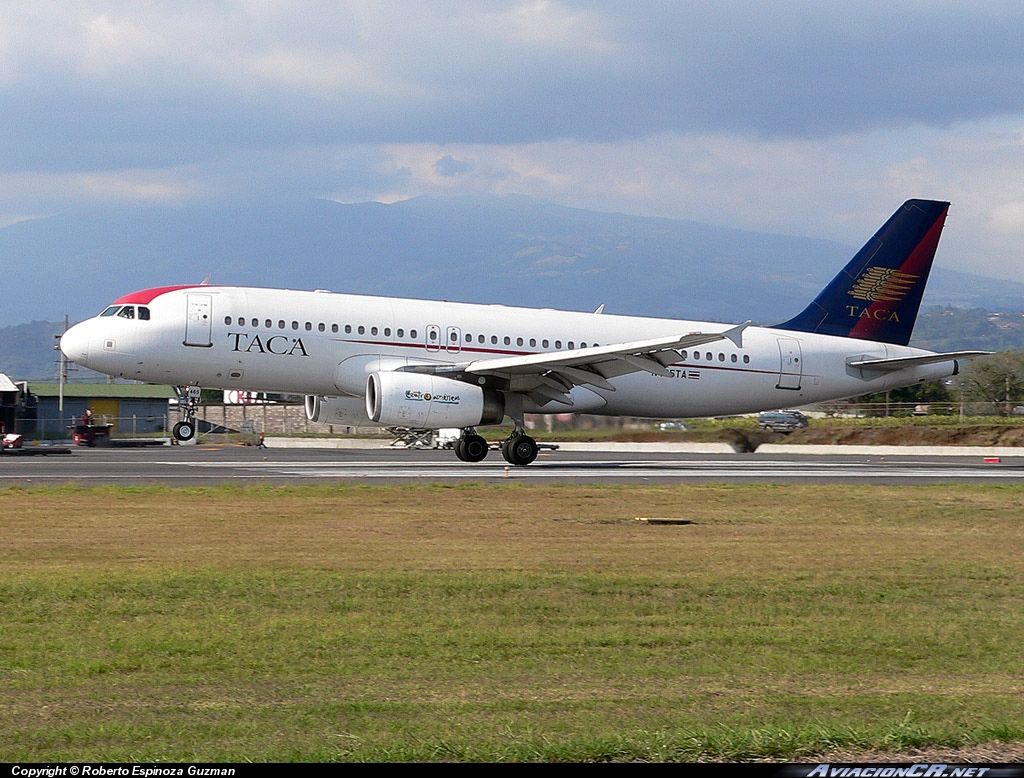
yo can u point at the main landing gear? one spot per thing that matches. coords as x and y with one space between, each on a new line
519 449
471 447
188 400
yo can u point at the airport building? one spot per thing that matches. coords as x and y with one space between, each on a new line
141 409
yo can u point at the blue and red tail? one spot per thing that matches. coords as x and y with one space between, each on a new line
877 295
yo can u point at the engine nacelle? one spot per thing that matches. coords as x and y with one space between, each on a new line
430 401
350 411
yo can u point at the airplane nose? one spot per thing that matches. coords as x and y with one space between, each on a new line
75 343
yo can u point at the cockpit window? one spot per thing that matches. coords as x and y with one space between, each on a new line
127 312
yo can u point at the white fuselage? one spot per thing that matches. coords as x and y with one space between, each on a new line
319 343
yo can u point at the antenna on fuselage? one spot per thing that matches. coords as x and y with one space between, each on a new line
205 281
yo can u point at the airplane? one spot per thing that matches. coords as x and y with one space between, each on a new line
362 360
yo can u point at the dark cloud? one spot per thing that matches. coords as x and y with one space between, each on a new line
449 167
621 71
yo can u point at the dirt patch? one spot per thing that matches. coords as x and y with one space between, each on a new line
985 753
992 435
823 434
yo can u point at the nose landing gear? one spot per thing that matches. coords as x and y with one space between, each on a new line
188 400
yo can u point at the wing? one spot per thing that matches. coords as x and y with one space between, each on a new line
551 375
899 363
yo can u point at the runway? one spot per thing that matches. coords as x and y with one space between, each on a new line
197 465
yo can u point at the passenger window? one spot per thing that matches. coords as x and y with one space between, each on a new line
494 340
334 328
533 343
309 326
280 324
519 341
255 323
558 344
507 341
709 356
387 332
746 359
682 355
570 345
348 329
373 330
479 338
268 324
412 334
241 322
361 330
400 333
469 338
733 357
544 343
295 325
721 357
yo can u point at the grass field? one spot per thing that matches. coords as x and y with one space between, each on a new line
508 622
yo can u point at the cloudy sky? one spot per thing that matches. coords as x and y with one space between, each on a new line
808 117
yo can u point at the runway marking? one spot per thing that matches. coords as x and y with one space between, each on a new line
617 469
744 470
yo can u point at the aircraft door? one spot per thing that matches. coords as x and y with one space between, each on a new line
453 343
199 321
433 335
790 365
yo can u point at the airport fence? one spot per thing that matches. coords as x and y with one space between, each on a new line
234 423
61 427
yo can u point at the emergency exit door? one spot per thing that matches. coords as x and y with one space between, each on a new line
790 364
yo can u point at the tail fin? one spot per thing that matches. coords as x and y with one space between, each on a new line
877 295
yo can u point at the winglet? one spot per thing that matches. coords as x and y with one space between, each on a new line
878 294
736 333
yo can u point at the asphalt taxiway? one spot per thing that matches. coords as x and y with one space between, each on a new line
196 465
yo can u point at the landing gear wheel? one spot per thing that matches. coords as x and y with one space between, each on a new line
460 449
519 450
474 448
184 431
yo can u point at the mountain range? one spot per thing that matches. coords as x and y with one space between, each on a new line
512 250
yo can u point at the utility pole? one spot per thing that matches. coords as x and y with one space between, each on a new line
62 370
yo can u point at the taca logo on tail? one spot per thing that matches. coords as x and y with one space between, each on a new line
878 294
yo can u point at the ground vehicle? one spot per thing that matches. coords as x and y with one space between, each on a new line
782 421
672 426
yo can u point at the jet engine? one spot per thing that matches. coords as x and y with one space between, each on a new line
430 401
350 411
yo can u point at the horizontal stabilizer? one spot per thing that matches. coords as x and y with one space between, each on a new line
900 363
